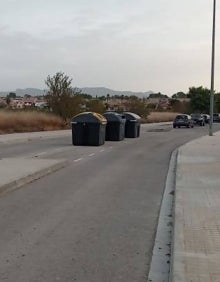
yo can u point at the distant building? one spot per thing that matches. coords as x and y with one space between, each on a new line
17 103
41 105
20 103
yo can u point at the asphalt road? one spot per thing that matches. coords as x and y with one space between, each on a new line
94 220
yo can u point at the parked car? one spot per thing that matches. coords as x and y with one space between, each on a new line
198 119
183 120
216 117
206 117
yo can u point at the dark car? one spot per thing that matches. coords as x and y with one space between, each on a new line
216 117
198 119
183 120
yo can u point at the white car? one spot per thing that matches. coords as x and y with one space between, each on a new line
206 117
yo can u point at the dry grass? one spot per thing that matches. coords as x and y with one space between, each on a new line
161 116
11 122
28 122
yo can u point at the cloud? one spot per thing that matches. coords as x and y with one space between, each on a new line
136 45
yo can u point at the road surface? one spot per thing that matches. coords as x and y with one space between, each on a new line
95 220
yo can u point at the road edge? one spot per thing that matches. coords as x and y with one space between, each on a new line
18 183
161 261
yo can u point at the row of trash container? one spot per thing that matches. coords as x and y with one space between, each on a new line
93 129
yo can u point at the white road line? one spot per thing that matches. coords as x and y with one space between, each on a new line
41 153
90 155
101 151
61 149
77 160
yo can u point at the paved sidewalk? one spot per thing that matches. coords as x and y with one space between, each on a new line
196 248
16 172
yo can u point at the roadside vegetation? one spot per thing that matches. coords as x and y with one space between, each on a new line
63 102
11 122
24 121
161 117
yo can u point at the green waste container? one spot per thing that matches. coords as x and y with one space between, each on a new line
88 129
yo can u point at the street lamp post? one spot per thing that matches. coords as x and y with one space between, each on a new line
212 72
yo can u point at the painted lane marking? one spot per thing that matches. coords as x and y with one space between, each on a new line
40 154
101 151
77 160
90 155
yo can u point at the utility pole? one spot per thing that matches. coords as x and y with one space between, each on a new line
212 72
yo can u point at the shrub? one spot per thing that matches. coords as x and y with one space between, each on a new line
28 122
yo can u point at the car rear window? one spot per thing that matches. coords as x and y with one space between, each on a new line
195 115
181 117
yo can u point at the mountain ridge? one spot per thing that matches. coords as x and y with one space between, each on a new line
93 91
103 91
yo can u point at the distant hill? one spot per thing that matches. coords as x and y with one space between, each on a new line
102 91
93 91
22 92
29 91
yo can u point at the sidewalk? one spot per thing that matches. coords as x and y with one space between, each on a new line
196 241
16 172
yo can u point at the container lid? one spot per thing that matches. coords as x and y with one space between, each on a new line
113 116
131 116
89 117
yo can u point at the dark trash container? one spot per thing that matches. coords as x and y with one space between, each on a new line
88 128
132 125
115 128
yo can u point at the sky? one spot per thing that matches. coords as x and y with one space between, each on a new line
137 45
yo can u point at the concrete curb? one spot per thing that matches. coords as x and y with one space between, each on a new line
174 220
160 263
16 184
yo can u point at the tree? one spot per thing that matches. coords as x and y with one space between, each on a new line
27 96
107 97
133 98
11 95
175 105
138 107
2 105
199 99
157 95
102 98
217 102
62 98
95 105
8 100
181 107
84 95
179 95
